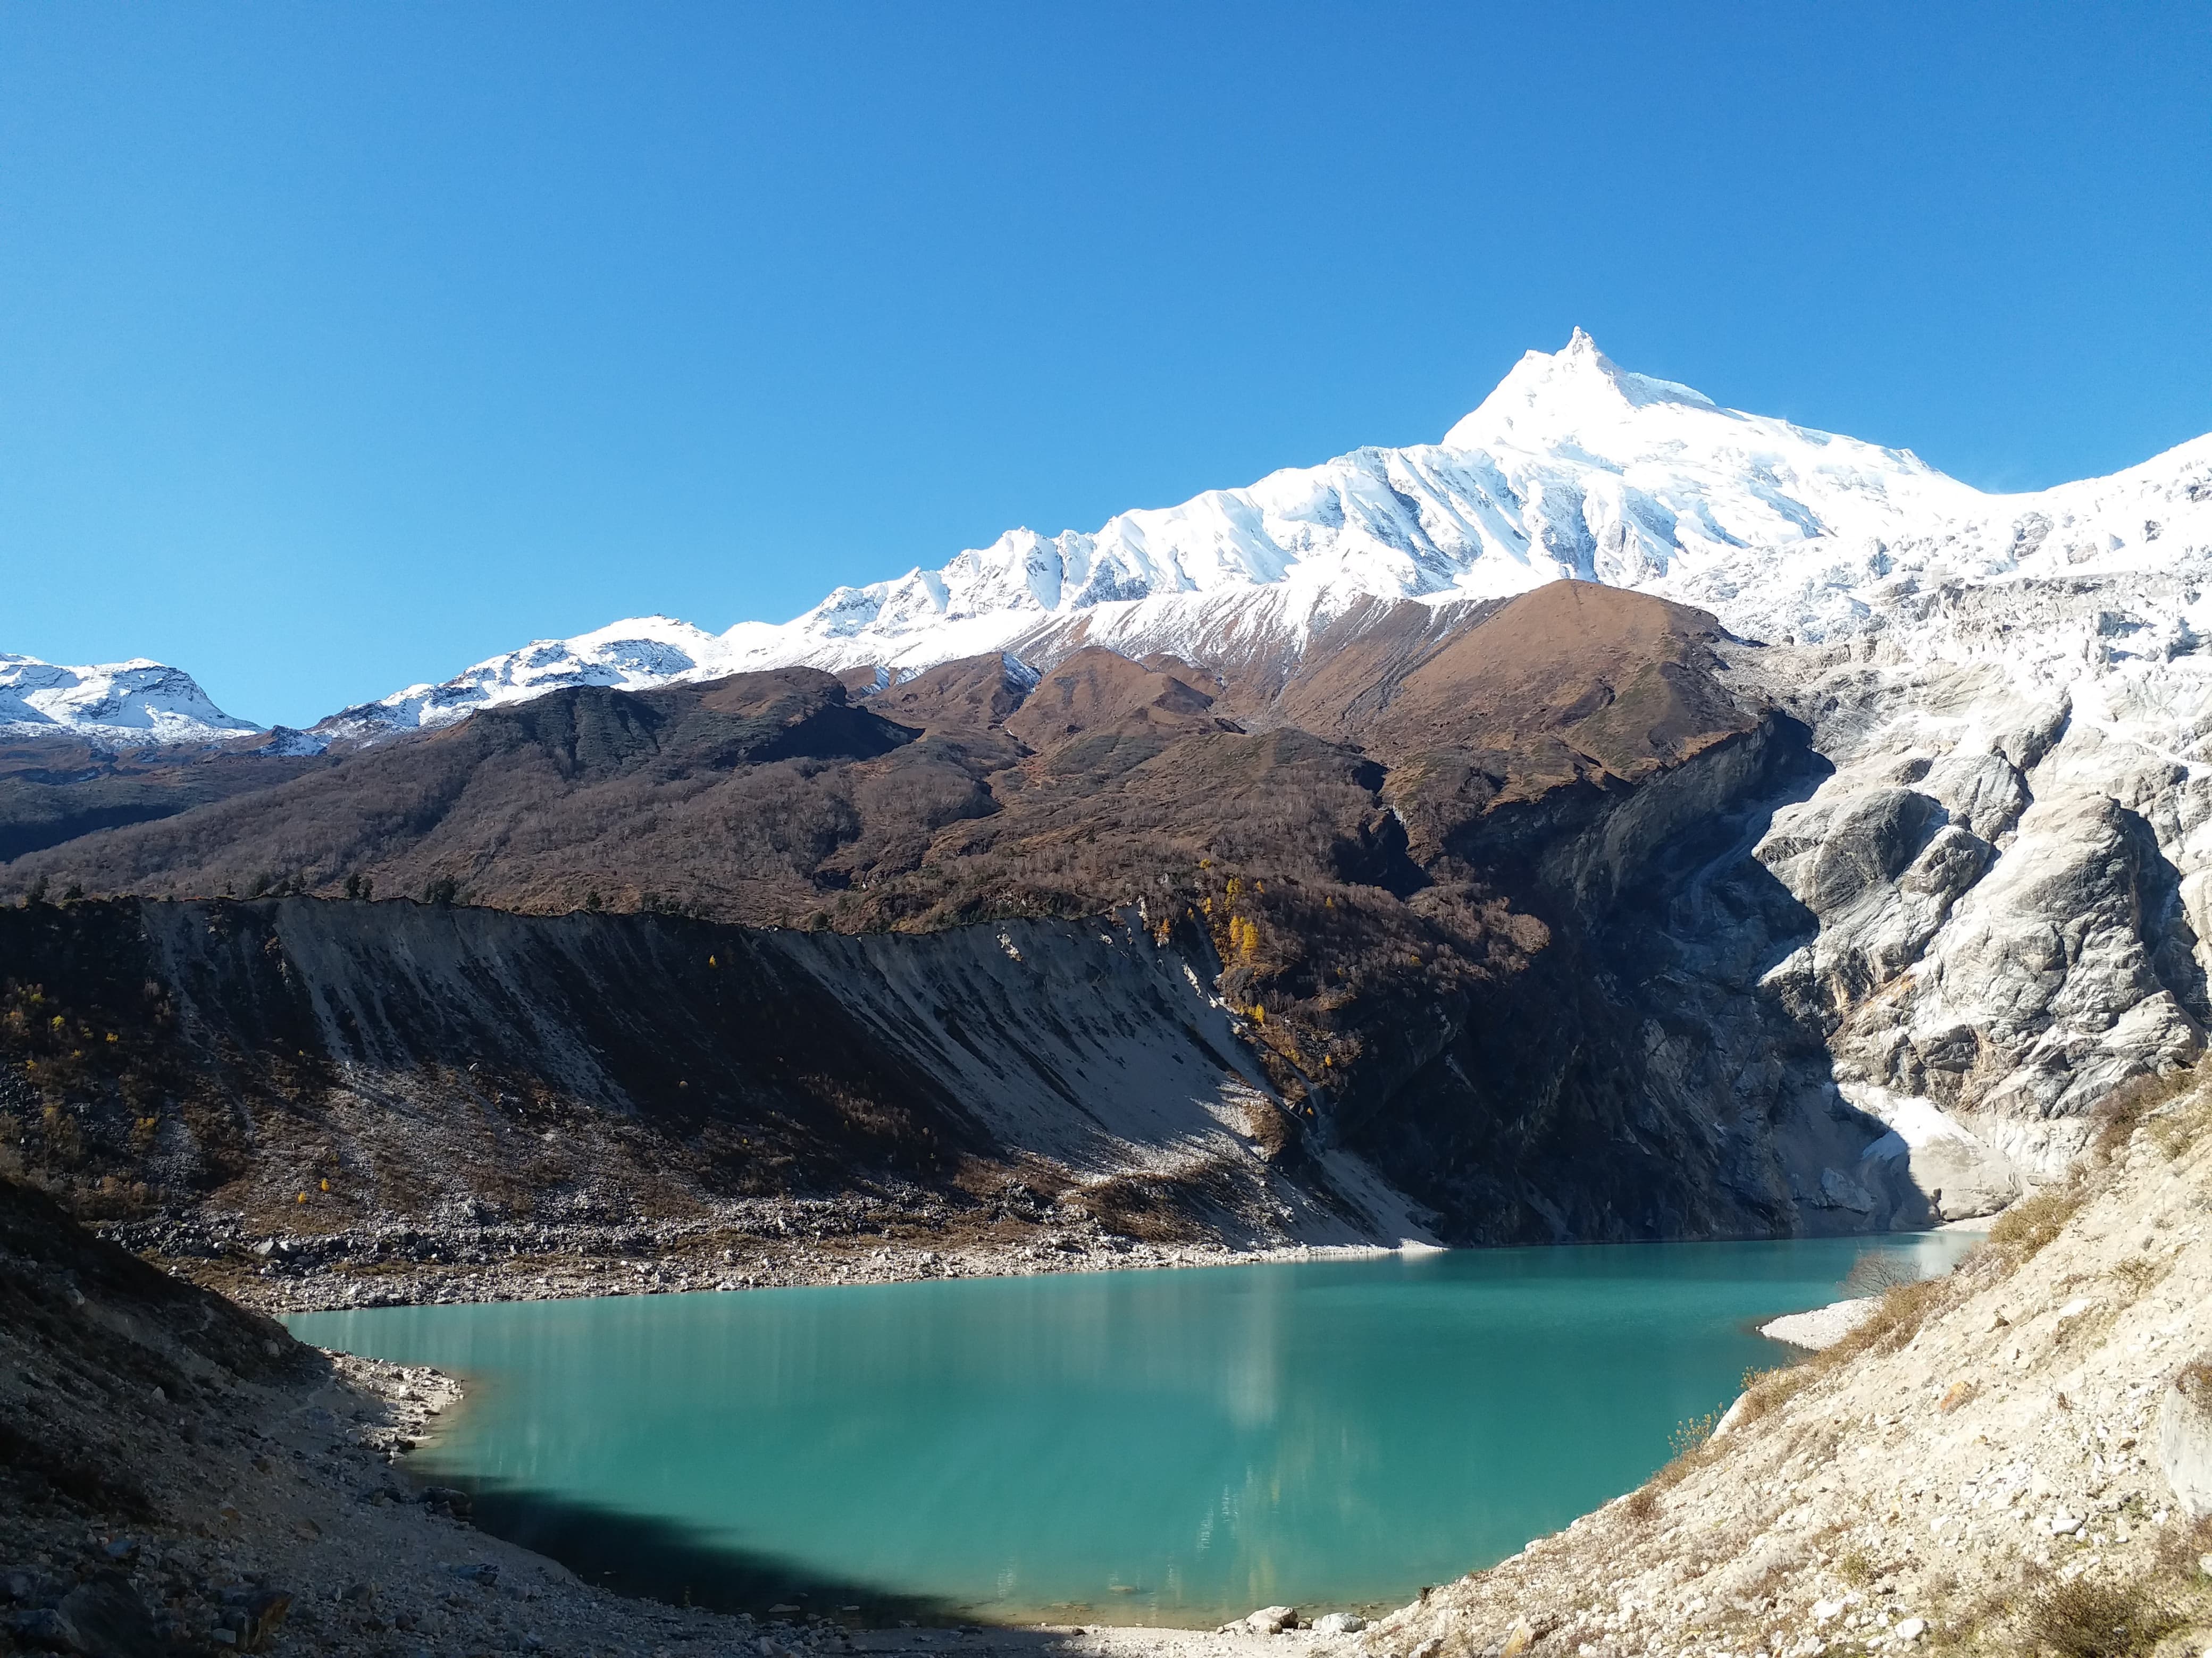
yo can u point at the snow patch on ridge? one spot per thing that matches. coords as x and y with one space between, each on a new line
635 654
141 703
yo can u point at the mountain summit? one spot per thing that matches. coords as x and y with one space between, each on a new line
138 703
1572 466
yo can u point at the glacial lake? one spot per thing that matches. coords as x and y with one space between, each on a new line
1166 1446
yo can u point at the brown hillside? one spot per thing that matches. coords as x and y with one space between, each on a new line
1392 853
1098 692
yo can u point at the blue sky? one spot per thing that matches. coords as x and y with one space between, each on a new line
343 346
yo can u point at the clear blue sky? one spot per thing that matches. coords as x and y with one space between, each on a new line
341 346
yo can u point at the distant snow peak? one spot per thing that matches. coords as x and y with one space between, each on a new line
634 654
139 703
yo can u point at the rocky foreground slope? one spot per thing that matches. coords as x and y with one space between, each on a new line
1985 1466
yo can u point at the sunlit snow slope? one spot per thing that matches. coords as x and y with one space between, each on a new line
1572 467
138 702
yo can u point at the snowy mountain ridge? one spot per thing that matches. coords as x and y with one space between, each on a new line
138 703
1573 467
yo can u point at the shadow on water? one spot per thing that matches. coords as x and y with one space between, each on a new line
637 1555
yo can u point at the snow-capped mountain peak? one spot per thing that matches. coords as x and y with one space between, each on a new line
1573 467
138 703
632 654
1550 396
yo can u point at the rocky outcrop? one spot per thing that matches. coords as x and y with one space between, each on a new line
2184 1440
2004 867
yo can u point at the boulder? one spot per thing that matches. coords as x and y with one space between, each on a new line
1339 1623
1272 1620
42 1629
104 1618
2185 1439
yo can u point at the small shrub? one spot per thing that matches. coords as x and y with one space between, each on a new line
1856 1569
1877 1271
2088 1619
2035 1221
1642 1505
1692 1435
2137 1273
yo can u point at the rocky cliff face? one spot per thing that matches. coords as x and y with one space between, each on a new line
2007 867
319 1065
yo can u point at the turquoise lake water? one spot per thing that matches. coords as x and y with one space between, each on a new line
1144 1446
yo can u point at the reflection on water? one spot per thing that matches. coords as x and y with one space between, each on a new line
1174 1447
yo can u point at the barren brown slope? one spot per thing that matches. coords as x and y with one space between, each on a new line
1409 893
752 799
57 789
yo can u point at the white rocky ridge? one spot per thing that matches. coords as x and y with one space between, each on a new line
138 704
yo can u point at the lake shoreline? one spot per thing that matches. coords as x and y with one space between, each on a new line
695 1260
820 1245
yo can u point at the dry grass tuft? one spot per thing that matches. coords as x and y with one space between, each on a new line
1693 1435
2036 1221
2137 1273
2181 1547
2179 1127
2126 1109
1642 1505
1765 1392
2089 1618
1896 1319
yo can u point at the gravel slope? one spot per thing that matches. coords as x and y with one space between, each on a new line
1975 1469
